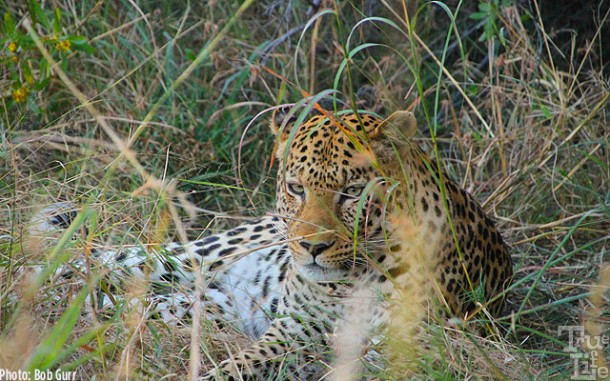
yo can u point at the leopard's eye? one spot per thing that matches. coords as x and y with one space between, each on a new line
296 189
354 191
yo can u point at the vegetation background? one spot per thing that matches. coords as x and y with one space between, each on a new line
152 114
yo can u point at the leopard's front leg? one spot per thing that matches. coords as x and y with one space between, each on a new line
289 347
297 342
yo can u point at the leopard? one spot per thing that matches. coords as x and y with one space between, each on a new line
357 202
348 185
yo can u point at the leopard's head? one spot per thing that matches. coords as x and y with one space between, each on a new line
334 185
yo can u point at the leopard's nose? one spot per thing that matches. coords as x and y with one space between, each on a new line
316 248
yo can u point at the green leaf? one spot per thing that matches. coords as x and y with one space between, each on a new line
44 70
27 74
77 344
502 36
478 15
49 350
38 14
485 7
24 41
545 111
472 90
77 40
81 43
14 75
9 25
41 84
190 55
57 23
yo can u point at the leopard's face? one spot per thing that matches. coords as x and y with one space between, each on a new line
341 175
331 195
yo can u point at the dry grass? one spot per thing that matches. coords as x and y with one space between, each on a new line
519 117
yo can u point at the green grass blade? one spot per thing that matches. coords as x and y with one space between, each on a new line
49 351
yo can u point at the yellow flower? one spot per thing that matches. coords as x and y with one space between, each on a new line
21 94
12 47
63 46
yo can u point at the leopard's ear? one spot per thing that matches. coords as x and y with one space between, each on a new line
399 124
282 121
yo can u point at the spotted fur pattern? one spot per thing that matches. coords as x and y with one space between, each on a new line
241 269
350 188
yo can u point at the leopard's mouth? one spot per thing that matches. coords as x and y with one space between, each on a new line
318 273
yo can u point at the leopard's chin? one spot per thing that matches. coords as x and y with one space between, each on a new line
316 273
